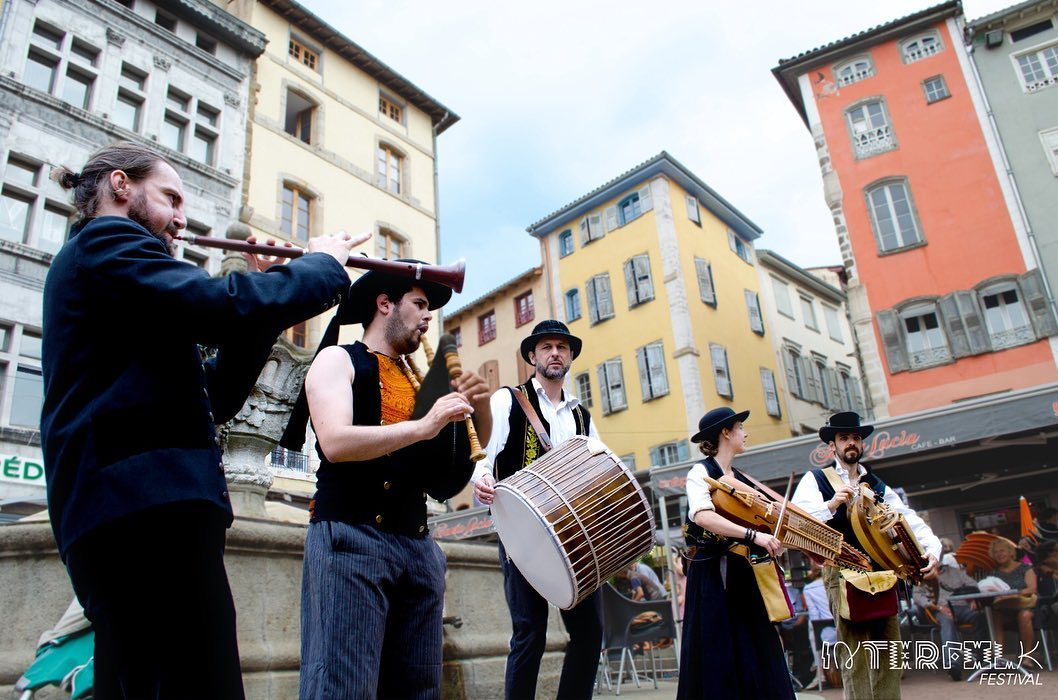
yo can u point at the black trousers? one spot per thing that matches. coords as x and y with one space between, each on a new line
156 591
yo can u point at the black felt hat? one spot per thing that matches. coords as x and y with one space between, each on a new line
846 422
716 420
359 304
546 329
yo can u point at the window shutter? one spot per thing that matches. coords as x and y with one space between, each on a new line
705 281
683 451
593 302
630 283
953 321
646 201
655 457
644 284
604 297
584 233
788 361
659 380
857 395
808 373
595 226
604 389
611 218
771 395
644 373
617 385
753 304
834 385
731 241
973 322
1035 298
692 209
892 341
720 371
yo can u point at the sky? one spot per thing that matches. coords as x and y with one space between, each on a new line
557 98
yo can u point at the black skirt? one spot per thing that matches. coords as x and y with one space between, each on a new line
730 647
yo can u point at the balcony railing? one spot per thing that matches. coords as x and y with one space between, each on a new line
1012 337
929 357
286 460
872 141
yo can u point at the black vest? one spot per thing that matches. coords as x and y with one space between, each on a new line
388 492
840 521
523 445
708 544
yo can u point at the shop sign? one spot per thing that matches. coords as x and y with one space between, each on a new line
19 469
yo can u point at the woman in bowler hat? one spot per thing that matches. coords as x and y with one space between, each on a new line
731 649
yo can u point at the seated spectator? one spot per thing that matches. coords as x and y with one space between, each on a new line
1019 605
815 595
933 597
1047 583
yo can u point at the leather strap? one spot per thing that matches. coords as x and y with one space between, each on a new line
832 476
534 419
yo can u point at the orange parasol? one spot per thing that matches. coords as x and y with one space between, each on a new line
975 552
1028 528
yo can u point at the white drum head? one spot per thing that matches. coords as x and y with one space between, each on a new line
532 546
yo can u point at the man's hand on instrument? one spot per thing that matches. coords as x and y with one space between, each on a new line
769 542
337 245
485 489
931 570
450 408
841 497
260 263
475 389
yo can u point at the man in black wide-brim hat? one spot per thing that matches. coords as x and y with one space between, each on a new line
374 580
515 443
826 494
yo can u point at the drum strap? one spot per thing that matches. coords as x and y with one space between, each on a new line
534 419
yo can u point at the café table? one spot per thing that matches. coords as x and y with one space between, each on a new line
987 600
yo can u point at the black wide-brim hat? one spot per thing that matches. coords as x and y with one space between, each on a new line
716 420
359 305
546 329
846 422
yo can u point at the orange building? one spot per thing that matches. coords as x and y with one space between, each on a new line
945 294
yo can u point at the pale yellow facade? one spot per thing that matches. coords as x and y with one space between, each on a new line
319 130
655 424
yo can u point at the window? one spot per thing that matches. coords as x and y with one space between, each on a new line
781 290
1038 69
20 373
390 163
629 208
486 327
935 88
565 243
1031 30
600 299
296 217
808 310
1005 317
206 43
299 334
189 126
830 315
721 372
197 257
523 309
670 453
128 108
572 305
825 382
638 282
303 54
590 229
892 214
1049 139
925 340
165 21
741 248
771 393
795 375
920 47
756 323
457 334
693 213
851 396
870 129
27 215
390 245
704 271
653 379
300 116
584 388
612 386
629 460
61 64
388 107
853 71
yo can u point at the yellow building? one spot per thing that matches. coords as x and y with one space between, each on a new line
656 272
338 141
490 329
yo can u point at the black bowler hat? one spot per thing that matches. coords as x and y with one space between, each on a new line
359 305
546 329
847 422
712 423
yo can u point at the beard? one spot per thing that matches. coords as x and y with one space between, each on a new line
140 213
403 340
549 372
851 454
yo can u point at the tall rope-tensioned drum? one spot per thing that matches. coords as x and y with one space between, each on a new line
572 519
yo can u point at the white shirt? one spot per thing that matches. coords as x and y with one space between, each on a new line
698 498
562 424
816 601
807 496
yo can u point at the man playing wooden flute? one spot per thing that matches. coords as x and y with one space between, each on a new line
373 581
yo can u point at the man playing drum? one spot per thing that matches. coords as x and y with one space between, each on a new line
515 444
